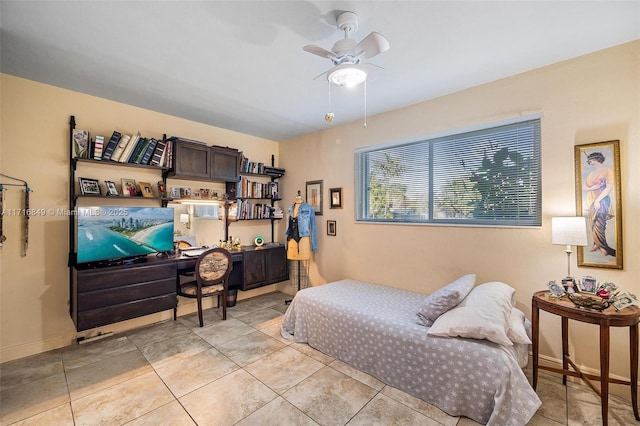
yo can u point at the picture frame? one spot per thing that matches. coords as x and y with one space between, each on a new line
111 188
597 171
175 192
89 186
555 289
145 189
570 286
335 198
588 284
129 188
331 228
314 196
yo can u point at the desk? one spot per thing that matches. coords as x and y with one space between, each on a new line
109 294
628 317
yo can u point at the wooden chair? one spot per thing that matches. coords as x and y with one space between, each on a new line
212 271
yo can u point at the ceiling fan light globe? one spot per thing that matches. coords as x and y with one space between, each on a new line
347 75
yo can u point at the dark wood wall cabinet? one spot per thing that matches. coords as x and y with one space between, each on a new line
263 266
197 161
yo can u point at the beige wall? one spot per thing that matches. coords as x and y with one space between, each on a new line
34 146
589 99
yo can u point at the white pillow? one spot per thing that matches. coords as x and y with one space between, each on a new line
517 332
484 314
444 299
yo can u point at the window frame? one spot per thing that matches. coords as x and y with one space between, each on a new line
362 174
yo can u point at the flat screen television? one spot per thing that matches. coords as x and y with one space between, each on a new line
109 234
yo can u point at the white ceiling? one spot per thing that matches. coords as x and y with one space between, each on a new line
240 65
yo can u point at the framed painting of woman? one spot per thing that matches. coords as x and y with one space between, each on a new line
598 199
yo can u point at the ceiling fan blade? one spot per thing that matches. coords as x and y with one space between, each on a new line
320 51
372 45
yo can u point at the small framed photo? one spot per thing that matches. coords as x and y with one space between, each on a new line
197 195
89 186
111 188
570 285
331 228
145 189
588 284
162 189
129 188
555 289
175 192
314 196
335 198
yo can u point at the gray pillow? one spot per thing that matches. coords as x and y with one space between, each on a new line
444 299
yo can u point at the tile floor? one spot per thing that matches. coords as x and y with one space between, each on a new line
234 372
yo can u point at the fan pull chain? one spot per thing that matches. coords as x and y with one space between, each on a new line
328 117
365 104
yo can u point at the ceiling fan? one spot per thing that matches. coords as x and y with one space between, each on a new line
347 54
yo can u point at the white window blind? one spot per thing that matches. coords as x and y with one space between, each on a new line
489 176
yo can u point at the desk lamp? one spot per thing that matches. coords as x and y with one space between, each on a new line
569 231
185 219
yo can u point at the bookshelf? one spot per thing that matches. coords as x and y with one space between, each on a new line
255 194
100 296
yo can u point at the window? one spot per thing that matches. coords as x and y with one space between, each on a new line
489 176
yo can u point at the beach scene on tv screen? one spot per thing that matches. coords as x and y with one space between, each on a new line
109 233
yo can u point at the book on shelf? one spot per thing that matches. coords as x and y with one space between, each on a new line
168 157
111 145
273 171
124 158
158 153
278 213
81 143
149 151
141 152
98 146
139 145
117 153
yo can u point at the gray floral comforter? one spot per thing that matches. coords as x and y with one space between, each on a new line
373 328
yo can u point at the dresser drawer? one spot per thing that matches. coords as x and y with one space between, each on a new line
98 279
89 300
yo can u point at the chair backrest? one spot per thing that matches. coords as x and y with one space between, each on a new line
213 267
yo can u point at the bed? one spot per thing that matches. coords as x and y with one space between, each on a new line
374 329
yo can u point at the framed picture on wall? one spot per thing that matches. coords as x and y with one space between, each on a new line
331 228
314 196
335 198
598 198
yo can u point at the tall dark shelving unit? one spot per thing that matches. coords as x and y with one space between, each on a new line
73 197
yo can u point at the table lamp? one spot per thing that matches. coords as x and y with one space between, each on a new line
185 219
569 231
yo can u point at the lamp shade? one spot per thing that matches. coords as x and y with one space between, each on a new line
571 231
349 75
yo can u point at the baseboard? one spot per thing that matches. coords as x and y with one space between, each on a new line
37 346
